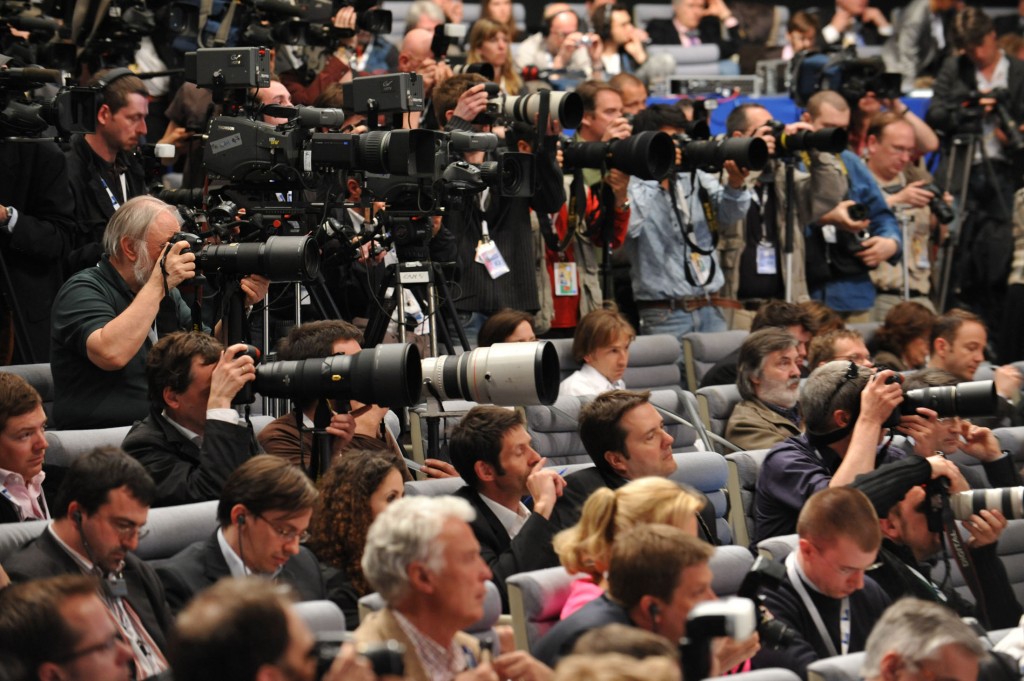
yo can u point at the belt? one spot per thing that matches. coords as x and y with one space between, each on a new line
899 292
691 303
753 304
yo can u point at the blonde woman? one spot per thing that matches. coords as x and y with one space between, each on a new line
489 43
587 546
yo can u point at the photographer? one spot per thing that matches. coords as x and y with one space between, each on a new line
561 44
491 218
106 318
890 148
900 493
841 250
307 71
675 280
975 89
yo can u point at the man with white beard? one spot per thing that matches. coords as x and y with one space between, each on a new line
768 378
106 318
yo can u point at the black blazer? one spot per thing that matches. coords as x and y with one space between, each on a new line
44 557
709 30
530 550
201 564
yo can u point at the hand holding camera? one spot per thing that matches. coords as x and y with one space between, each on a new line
176 264
236 368
880 396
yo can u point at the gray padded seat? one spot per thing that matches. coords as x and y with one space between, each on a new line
566 364
172 528
1011 552
418 425
433 488
777 548
770 674
555 433
15 535
715 404
701 351
704 56
64 446
707 472
535 600
1012 440
645 11
729 565
322 617
838 668
39 377
655 361
682 404
865 329
743 471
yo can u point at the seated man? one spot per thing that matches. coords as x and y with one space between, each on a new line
98 520
916 640
827 597
626 439
264 510
902 497
422 558
656 575
491 450
59 628
192 438
22 451
844 344
106 318
844 407
601 345
769 383
695 22
247 629
958 344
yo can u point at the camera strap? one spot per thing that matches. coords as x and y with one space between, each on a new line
686 227
964 562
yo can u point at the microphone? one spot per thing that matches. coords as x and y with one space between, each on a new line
32 73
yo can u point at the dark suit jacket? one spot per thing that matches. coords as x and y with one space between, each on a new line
54 476
559 641
1011 23
709 30
868 32
183 473
530 550
44 557
200 565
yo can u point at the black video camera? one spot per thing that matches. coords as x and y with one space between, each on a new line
766 573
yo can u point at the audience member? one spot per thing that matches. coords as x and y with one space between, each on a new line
22 452
99 518
657 573
425 15
616 667
601 346
247 629
827 598
853 22
903 339
919 43
625 437
845 344
916 640
489 44
58 628
622 46
192 439
106 318
823 317
356 489
801 33
696 22
422 558
103 168
500 12
587 546
621 639
506 326
490 449
769 383
263 514
844 407
958 343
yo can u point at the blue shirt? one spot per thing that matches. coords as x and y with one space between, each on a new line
657 253
858 292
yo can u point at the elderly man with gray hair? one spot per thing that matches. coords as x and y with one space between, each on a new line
422 557
768 378
918 639
106 318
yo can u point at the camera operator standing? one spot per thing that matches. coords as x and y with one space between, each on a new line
980 92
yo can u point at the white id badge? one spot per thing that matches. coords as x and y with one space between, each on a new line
488 255
765 258
565 279
829 233
923 262
700 266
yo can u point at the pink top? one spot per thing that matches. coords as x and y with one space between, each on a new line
582 592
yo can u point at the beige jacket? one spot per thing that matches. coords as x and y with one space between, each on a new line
382 626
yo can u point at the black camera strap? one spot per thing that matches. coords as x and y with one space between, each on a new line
686 227
963 559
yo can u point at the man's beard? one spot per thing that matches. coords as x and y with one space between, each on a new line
779 393
142 268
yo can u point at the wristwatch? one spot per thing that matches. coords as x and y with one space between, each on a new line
624 206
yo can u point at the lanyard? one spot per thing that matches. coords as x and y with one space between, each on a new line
844 612
686 227
124 190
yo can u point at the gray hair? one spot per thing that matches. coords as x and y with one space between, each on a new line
421 7
917 631
404 533
753 352
132 220
828 389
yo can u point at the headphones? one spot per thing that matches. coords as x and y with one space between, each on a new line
603 20
108 78
545 27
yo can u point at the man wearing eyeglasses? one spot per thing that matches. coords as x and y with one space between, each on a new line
264 510
59 628
828 599
100 515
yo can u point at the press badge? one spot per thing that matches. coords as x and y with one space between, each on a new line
488 255
700 267
828 232
565 279
765 258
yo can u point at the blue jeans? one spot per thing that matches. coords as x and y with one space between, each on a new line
679 323
471 322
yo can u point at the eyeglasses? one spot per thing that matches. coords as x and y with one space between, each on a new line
286 533
110 644
845 570
126 529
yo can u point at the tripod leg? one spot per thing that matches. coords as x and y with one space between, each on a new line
380 316
446 300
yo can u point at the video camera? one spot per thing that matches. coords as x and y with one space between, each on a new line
386 658
972 111
72 110
843 72
766 573
733 617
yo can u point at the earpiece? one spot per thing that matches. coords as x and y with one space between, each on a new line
241 519
77 517
653 610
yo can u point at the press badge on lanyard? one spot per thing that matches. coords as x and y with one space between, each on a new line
765 258
565 279
488 255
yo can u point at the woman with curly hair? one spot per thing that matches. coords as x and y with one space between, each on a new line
902 342
587 546
352 493
489 44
